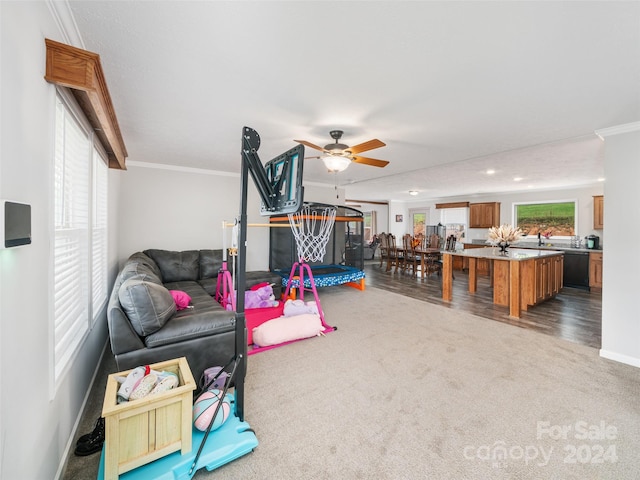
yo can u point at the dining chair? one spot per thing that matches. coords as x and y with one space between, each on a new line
384 248
411 258
396 257
433 261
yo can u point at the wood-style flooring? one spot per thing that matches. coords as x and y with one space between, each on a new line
574 314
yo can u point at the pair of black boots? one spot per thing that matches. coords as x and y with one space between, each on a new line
91 442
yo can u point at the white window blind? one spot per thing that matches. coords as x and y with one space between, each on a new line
80 238
99 234
450 216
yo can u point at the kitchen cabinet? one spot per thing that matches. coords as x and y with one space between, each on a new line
598 212
595 271
545 282
484 215
483 266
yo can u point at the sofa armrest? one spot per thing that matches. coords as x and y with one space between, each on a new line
122 335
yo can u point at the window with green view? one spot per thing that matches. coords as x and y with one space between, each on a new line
553 219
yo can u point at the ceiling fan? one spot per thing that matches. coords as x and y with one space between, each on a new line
338 156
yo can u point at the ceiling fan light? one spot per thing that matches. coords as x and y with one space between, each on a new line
336 163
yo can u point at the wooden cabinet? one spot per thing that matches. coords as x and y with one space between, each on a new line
595 271
483 265
598 212
543 279
484 215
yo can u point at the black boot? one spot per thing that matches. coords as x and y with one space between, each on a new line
91 442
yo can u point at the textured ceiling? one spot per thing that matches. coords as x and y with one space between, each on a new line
452 88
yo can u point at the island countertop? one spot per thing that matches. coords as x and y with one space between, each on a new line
513 254
520 279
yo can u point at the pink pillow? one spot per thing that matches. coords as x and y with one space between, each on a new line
181 298
285 329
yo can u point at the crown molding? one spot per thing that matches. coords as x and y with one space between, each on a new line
618 129
63 16
178 168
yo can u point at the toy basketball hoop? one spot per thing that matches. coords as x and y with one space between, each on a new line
312 230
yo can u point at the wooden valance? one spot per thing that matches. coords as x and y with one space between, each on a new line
452 205
81 71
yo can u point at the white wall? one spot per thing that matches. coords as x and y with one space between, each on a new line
173 208
583 197
382 213
37 423
620 318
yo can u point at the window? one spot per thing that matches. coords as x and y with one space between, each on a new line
80 234
418 222
455 221
369 219
551 219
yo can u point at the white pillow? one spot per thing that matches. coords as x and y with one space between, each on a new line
286 329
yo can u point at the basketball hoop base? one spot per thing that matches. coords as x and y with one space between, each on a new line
231 441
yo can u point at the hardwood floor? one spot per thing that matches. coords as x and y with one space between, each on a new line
574 315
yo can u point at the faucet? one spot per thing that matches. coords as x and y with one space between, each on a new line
539 240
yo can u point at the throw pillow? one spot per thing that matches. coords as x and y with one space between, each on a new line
181 298
286 329
148 305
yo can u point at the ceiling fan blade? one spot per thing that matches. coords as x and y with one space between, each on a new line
370 161
363 147
310 145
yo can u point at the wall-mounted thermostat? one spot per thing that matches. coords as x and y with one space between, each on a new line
15 224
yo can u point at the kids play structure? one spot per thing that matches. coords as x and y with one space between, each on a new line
343 261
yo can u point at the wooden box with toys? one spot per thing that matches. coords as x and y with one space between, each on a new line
143 428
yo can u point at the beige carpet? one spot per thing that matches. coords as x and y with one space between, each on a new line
408 390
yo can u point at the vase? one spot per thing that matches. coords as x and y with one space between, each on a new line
503 248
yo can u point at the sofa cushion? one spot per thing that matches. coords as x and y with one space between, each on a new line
140 257
176 266
143 271
147 304
206 318
210 263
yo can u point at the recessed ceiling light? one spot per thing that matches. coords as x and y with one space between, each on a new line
413 192
490 172
517 179
601 179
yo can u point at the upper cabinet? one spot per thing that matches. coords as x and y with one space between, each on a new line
484 215
598 212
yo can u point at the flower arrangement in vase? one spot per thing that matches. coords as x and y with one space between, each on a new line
503 236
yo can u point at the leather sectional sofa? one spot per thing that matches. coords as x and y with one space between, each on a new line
144 323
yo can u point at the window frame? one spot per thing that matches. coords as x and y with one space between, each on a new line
514 216
419 211
60 362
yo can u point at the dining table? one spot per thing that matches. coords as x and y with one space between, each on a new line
423 253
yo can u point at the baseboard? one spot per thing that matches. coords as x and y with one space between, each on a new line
70 447
618 357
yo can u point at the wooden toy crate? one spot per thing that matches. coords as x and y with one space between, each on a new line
143 430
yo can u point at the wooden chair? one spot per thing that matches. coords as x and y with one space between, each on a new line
384 248
411 258
433 261
395 258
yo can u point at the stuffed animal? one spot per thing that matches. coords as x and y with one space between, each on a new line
298 307
261 297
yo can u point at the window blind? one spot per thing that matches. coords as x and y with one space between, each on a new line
80 233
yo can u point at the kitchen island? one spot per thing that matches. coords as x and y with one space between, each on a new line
520 279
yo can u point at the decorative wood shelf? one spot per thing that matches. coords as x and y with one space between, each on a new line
81 71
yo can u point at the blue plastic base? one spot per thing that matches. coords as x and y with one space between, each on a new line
232 440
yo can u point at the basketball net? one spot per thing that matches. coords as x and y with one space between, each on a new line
312 229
